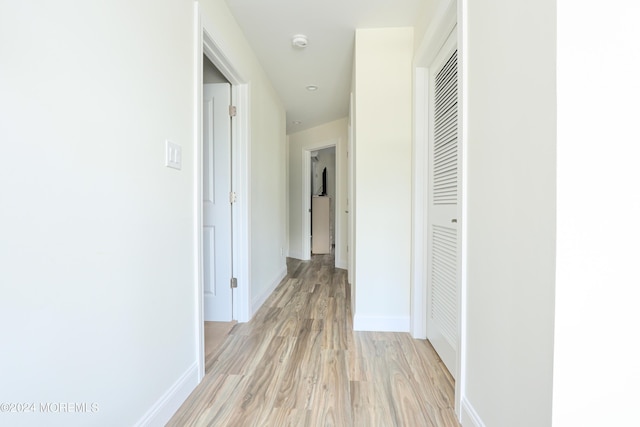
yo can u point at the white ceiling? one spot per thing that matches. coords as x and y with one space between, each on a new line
269 26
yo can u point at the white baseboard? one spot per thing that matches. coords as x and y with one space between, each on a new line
171 400
257 302
381 323
469 416
296 255
341 263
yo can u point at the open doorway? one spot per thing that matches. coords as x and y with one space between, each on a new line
239 174
302 147
323 200
315 157
217 231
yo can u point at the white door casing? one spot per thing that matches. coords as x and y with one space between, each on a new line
216 186
351 209
210 42
444 206
448 22
306 195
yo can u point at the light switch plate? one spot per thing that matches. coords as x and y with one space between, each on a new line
173 156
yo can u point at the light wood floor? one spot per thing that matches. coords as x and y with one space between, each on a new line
215 333
299 363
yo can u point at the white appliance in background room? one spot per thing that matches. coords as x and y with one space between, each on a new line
320 218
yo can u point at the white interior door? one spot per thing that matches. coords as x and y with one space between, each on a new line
443 225
216 188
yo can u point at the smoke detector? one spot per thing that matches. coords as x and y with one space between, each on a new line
299 41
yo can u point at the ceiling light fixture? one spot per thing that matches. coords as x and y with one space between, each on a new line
312 88
299 41
296 122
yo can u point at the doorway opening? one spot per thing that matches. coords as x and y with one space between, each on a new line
326 193
439 218
239 175
217 210
323 200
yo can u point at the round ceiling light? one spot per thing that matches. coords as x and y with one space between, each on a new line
300 41
312 88
296 122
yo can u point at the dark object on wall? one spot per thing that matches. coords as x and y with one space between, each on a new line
324 182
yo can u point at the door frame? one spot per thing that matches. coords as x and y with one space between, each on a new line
306 197
351 207
445 22
208 42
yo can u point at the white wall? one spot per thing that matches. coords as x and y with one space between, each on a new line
97 247
425 18
383 177
511 157
331 132
268 224
97 251
268 200
596 370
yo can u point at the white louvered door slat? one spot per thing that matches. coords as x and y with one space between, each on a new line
445 139
443 301
443 244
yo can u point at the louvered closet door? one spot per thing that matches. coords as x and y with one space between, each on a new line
443 254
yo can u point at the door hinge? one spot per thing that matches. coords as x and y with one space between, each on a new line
232 110
234 283
233 197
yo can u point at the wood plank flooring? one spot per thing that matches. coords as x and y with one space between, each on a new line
215 333
298 362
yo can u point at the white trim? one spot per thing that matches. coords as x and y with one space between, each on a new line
419 217
171 400
241 185
260 299
208 42
306 206
338 209
341 263
381 323
287 198
296 254
351 206
469 417
437 34
197 173
306 198
460 387
217 51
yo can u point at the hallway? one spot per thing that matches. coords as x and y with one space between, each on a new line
299 363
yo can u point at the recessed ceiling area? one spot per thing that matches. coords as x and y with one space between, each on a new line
326 61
